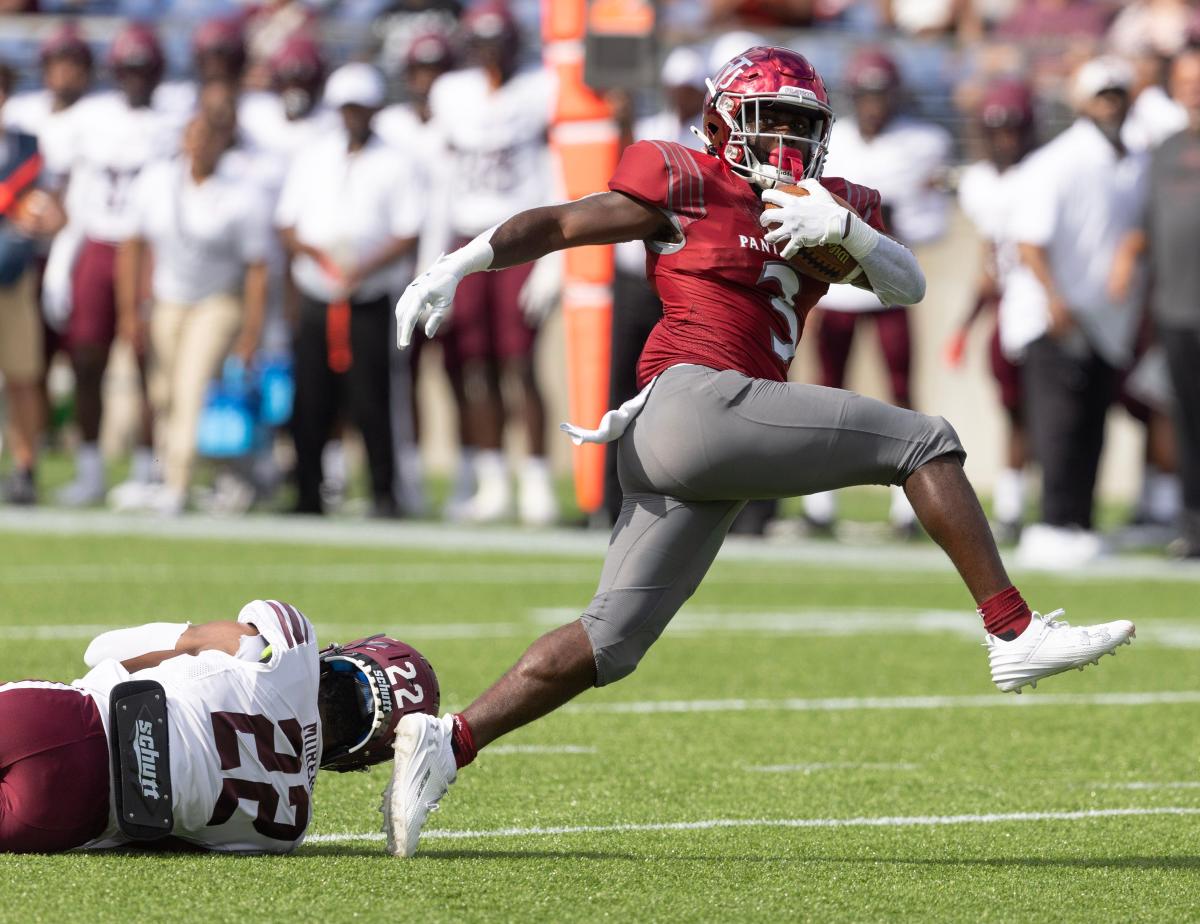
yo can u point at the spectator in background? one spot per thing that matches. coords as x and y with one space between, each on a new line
116 136
218 55
1171 232
48 113
1153 116
1056 21
494 118
349 214
905 159
1075 199
291 118
205 233
1157 25
20 326
409 127
1006 126
636 308
270 27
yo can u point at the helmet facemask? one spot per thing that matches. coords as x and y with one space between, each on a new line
775 139
378 681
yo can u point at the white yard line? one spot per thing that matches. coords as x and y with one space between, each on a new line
557 543
1182 784
830 765
887 821
416 631
538 749
345 573
864 703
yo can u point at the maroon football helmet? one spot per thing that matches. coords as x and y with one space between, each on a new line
748 110
298 62
490 21
66 41
221 37
872 70
391 679
136 47
1007 104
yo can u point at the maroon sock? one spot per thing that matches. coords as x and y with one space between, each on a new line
461 742
1006 614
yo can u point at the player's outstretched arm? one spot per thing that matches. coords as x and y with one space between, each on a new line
145 646
604 218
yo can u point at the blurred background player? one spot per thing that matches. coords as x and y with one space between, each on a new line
1075 200
1006 125
409 127
349 215
905 159
21 356
204 231
66 67
116 136
1172 227
494 118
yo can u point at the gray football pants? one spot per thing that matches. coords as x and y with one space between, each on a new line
704 444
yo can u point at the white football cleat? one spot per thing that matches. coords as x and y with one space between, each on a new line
1050 646
423 772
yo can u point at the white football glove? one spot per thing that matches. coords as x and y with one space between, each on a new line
428 298
804 221
542 290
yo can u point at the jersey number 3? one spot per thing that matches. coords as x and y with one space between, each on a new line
225 726
788 282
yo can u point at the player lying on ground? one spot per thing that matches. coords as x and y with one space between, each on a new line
717 423
253 708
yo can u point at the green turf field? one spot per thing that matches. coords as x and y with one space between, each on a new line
812 740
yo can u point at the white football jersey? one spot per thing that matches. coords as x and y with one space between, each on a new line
245 736
496 144
904 163
985 199
33 113
113 143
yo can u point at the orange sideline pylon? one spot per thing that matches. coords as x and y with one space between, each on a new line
584 140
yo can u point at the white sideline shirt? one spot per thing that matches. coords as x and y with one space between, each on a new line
348 206
496 144
984 197
1076 197
237 727
904 162
203 235
111 143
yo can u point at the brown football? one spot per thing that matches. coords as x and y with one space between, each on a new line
829 262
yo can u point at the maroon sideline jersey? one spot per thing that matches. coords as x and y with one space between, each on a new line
729 300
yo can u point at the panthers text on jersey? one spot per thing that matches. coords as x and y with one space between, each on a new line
729 300
245 735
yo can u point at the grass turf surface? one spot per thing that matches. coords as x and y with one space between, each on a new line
760 633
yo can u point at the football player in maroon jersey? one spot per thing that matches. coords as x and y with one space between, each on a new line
717 423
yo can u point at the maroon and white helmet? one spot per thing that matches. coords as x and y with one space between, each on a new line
223 37
761 79
66 41
136 47
298 62
391 679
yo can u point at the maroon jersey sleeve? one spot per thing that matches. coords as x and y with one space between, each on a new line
863 199
663 174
